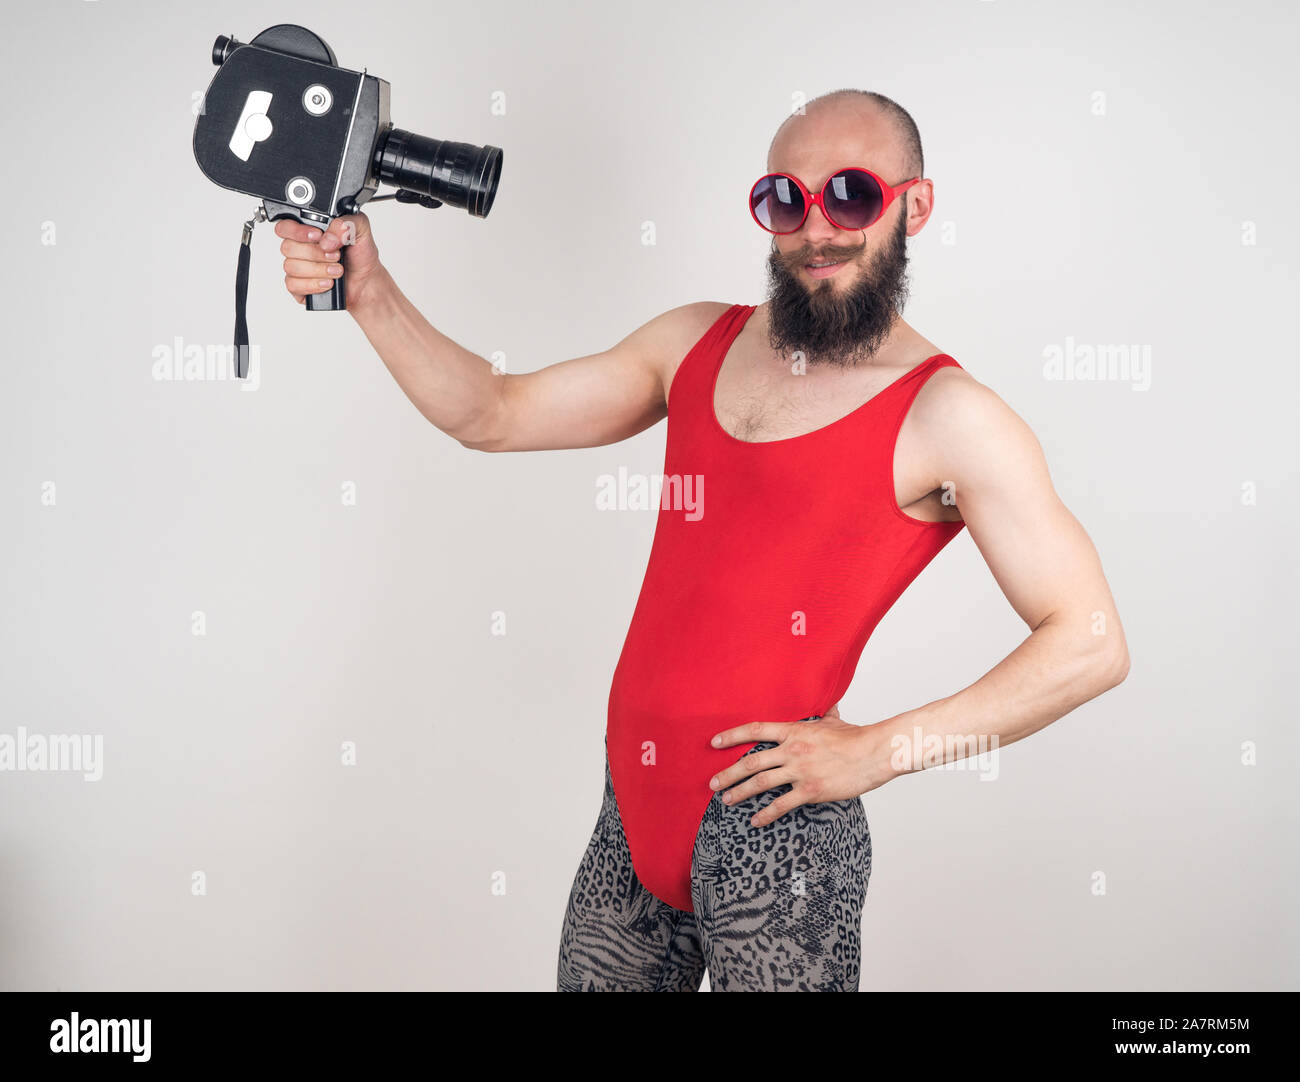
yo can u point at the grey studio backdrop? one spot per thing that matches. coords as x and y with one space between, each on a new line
1107 175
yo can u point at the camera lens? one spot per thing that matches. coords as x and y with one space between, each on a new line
459 174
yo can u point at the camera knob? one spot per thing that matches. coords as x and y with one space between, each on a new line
317 99
300 191
221 49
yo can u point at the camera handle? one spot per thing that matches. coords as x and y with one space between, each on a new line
333 300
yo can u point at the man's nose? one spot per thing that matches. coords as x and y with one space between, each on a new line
818 229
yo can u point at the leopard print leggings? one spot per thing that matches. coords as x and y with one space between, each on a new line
776 908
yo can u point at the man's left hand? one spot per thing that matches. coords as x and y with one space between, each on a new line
822 760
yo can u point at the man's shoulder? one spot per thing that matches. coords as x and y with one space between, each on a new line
670 335
949 392
955 411
691 321
681 323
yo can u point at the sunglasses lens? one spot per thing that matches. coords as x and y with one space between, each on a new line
777 204
853 199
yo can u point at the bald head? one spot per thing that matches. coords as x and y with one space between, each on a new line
876 126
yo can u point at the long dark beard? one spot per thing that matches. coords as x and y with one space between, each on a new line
833 326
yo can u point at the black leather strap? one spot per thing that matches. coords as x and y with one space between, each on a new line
241 304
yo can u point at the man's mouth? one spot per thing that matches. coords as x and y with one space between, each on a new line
824 268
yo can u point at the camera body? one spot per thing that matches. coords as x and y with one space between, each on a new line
283 122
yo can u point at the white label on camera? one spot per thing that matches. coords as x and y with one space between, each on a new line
253 126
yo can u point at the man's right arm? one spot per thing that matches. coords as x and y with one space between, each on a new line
585 402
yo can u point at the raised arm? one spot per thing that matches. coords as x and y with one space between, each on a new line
585 402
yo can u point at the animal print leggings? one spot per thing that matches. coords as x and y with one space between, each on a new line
777 908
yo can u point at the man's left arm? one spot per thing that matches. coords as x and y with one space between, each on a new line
1050 572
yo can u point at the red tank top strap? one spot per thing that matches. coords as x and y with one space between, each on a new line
900 395
692 383
887 421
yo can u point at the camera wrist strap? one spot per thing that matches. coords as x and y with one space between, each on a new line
241 293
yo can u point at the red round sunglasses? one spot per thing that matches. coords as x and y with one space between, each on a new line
852 198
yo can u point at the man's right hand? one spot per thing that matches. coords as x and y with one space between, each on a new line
313 260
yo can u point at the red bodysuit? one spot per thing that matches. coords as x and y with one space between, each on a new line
772 563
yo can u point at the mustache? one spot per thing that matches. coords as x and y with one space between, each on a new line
809 254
